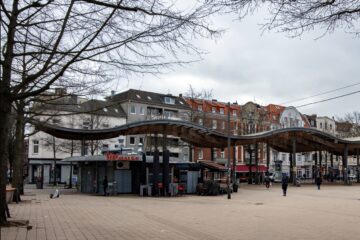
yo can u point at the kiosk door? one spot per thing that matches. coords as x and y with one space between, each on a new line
123 180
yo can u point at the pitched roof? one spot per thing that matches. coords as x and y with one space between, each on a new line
149 98
72 105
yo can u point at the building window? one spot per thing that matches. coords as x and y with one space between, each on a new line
221 111
200 154
213 109
215 153
35 146
222 154
223 125
200 108
169 100
105 125
141 140
325 125
86 124
200 121
141 110
169 114
234 113
330 126
321 125
105 146
214 124
132 140
132 109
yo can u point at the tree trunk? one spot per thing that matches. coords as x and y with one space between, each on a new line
18 166
5 108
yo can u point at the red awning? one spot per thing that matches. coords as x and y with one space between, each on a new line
244 168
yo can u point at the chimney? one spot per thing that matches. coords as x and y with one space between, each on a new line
180 94
113 93
214 100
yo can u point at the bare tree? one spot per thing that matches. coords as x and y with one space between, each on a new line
46 43
352 120
298 16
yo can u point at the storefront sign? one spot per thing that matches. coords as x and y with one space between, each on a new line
118 157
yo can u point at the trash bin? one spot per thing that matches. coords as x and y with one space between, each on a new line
9 194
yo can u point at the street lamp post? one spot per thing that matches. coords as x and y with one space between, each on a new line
228 155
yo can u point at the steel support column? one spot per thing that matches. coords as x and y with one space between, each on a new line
357 165
320 163
345 162
250 180
234 166
294 160
156 168
291 167
267 157
228 153
256 163
332 166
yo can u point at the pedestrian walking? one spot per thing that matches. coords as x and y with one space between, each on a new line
267 181
284 183
318 181
105 185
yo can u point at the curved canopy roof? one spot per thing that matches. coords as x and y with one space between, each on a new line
306 139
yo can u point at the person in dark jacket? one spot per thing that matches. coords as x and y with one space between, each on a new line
105 185
284 183
267 180
318 181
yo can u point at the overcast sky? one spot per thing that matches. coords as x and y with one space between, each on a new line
245 65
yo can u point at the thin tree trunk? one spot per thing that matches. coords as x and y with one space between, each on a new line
5 107
18 168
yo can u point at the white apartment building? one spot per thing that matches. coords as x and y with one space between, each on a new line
142 105
290 117
46 152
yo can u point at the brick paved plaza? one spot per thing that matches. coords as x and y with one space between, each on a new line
252 213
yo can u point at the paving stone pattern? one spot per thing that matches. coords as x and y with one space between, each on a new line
252 213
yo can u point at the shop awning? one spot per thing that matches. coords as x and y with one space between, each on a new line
244 168
213 166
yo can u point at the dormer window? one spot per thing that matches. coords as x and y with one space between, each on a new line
148 97
234 113
169 100
138 96
213 109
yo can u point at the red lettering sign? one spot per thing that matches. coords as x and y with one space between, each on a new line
118 157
